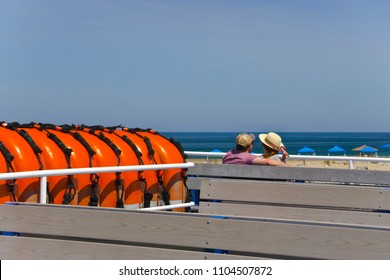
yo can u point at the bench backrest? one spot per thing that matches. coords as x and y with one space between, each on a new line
298 201
334 196
345 176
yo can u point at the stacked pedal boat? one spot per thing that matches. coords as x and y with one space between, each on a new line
37 146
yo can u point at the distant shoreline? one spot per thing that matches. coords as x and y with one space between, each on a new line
358 165
321 143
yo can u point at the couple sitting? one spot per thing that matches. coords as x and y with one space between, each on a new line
272 145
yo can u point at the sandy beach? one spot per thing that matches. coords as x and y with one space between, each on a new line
359 165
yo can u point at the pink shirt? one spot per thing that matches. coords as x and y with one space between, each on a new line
236 157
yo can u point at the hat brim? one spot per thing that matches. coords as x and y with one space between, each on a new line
262 140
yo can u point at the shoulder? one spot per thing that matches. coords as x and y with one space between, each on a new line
228 156
275 157
237 157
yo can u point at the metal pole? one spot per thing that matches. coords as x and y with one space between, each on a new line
73 171
43 190
167 207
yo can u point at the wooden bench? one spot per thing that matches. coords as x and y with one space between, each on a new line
360 203
246 212
335 199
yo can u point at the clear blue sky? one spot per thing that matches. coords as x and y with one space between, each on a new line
201 65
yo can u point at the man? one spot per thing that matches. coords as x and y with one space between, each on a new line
242 153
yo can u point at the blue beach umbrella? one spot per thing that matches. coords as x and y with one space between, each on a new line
368 149
385 146
336 149
214 151
306 150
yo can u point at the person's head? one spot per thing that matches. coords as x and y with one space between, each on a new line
272 143
244 142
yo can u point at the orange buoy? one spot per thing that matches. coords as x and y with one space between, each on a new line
130 196
153 188
61 189
170 152
7 187
105 156
24 159
80 157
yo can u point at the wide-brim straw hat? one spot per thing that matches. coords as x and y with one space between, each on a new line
272 140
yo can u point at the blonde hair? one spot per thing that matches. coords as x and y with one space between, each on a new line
268 151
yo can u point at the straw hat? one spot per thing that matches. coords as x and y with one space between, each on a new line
271 140
245 139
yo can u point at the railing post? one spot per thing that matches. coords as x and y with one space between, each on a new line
43 190
350 164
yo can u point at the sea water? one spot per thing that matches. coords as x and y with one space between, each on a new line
321 142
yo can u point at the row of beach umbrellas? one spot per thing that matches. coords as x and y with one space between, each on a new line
337 149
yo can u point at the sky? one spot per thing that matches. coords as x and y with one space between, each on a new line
200 65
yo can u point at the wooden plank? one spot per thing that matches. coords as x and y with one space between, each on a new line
193 183
297 193
27 248
303 240
295 213
262 237
290 173
166 229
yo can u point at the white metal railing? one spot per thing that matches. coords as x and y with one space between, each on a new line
349 159
43 174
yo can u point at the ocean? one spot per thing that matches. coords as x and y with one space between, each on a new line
321 142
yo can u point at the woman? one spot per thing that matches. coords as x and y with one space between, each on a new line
272 145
